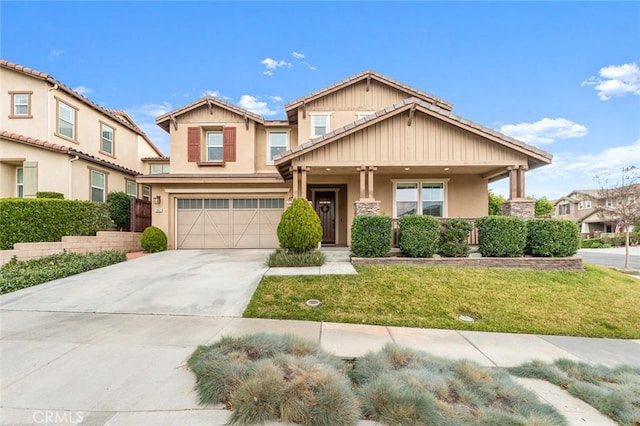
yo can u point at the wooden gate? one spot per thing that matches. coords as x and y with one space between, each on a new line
140 215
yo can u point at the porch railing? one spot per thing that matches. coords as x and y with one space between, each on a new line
472 239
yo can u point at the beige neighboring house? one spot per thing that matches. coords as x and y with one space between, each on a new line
585 207
367 144
54 139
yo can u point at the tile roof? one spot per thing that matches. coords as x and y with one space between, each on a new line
65 150
380 77
117 115
206 100
391 110
154 159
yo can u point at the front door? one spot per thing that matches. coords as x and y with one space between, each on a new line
325 204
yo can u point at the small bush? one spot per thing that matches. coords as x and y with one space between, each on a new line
55 195
371 236
589 243
25 220
281 258
16 275
418 235
552 237
454 238
501 236
299 229
153 240
119 206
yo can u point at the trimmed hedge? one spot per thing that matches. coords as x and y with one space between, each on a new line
617 241
552 237
25 220
371 236
44 194
501 236
119 206
299 230
454 238
16 275
153 240
418 235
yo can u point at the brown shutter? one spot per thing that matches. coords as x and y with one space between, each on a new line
229 143
193 144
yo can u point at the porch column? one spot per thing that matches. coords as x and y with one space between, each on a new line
513 182
371 169
362 171
295 181
303 189
521 173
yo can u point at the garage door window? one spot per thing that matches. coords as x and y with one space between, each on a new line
245 203
216 204
187 204
272 203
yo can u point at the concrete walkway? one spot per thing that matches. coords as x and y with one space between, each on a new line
338 262
95 353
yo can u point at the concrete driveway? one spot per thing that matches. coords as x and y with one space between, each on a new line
177 282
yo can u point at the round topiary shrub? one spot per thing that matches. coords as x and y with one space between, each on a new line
119 206
418 235
153 240
299 229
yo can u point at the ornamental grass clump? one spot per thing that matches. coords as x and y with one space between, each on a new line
398 385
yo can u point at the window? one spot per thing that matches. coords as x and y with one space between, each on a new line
216 203
580 205
278 142
19 182
132 188
146 192
427 198
66 120
20 105
98 185
564 209
106 141
245 203
189 204
587 204
214 146
319 125
158 168
272 203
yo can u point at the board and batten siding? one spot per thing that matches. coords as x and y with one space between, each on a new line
356 97
392 142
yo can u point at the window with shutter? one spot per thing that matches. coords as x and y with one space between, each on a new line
193 144
229 143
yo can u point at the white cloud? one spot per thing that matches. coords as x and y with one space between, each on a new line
298 55
272 64
150 110
83 90
275 98
253 104
545 131
54 54
616 81
213 93
145 116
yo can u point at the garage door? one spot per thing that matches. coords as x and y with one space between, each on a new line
228 222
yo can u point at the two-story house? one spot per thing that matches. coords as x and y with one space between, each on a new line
54 139
367 144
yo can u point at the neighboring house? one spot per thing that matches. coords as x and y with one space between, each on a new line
585 207
368 144
54 139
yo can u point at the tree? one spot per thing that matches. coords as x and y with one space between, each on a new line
544 207
495 204
619 202
119 206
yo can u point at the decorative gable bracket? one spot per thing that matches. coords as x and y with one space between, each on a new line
174 122
412 112
246 121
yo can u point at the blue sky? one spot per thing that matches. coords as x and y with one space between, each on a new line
563 76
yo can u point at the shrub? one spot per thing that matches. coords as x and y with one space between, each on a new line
280 258
454 238
589 242
371 236
43 220
543 207
119 206
153 240
552 237
418 235
55 195
501 236
299 229
16 275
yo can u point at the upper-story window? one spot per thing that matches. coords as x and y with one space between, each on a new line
214 146
320 124
158 168
132 188
66 120
107 138
278 142
19 182
564 209
583 205
20 105
419 197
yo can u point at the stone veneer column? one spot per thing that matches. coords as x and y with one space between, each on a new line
371 208
522 208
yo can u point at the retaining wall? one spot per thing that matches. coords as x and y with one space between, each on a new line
573 263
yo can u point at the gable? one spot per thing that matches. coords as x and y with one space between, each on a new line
427 141
215 114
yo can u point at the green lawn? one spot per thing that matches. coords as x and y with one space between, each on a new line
597 302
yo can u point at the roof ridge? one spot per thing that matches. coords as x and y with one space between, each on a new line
206 98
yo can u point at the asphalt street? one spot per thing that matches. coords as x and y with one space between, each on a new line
613 257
